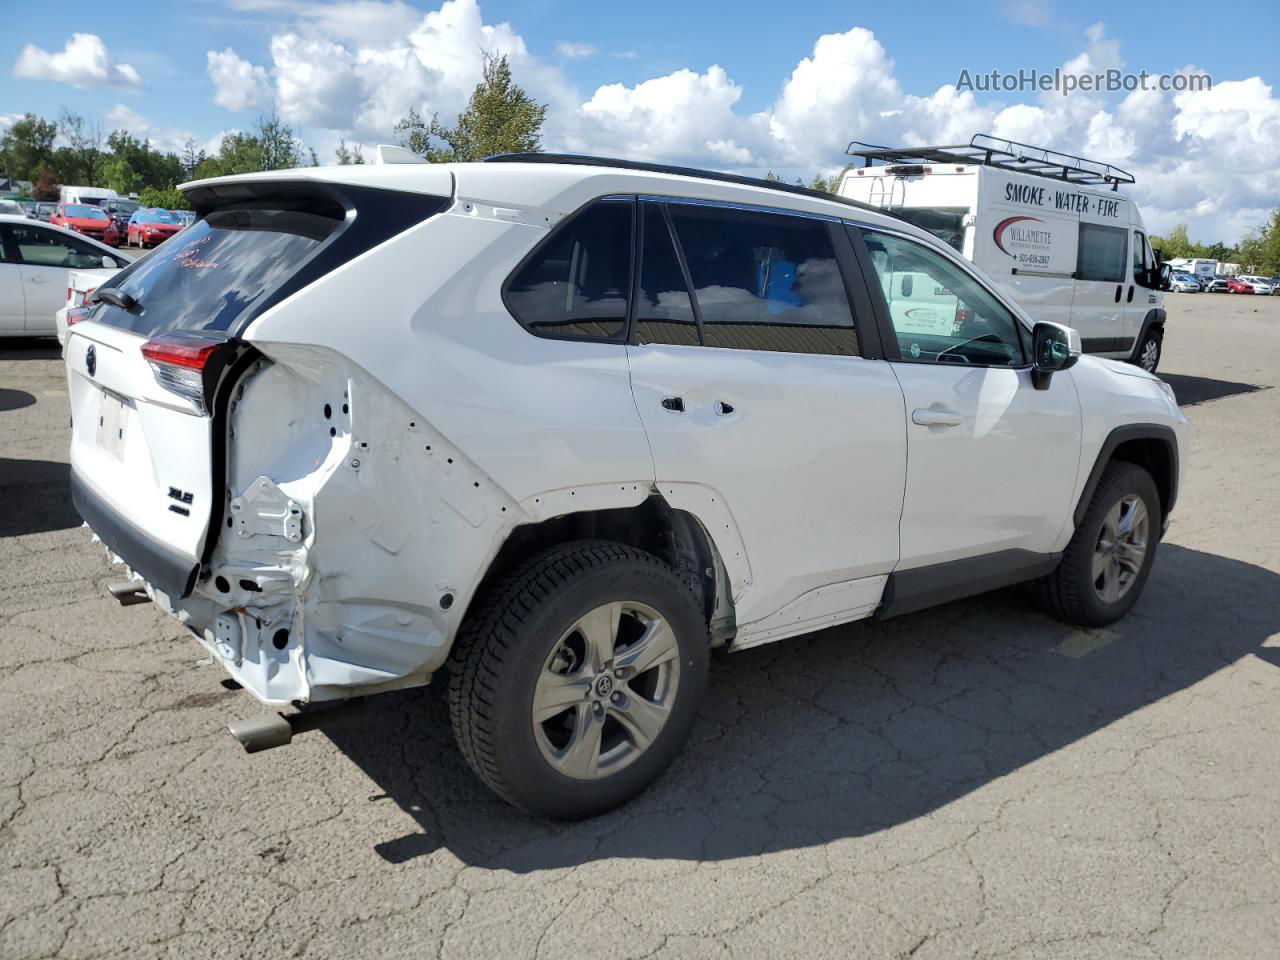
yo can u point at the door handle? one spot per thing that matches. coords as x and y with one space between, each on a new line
1119 290
1129 299
723 409
927 417
674 404
38 279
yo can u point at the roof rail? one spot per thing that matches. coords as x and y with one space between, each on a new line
588 161
991 151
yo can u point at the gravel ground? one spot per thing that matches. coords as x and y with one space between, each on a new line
974 781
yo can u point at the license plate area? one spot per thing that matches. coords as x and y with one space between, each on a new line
113 422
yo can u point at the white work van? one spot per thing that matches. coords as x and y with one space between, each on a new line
1052 230
95 196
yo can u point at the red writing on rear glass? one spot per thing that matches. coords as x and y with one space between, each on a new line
189 256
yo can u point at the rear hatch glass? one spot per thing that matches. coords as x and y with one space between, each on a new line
211 274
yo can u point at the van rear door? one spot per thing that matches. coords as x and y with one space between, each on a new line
146 371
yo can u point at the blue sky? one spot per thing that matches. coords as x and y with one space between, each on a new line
793 82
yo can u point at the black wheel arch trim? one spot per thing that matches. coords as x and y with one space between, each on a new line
1155 318
1124 434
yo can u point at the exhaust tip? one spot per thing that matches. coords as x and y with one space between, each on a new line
262 733
128 592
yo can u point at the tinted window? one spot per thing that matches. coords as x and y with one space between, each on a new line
1101 253
218 269
765 281
945 223
49 248
664 312
577 283
940 313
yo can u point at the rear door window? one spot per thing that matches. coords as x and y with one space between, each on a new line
576 285
220 268
664 309
765 281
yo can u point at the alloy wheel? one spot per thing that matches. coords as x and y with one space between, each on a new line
1150 355
606 690
1121 548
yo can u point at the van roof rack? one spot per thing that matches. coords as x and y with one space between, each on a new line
588 161
992 151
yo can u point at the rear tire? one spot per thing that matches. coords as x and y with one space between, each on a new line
1106 564
545 703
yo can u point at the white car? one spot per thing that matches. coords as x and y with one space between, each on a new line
565 425
1261 285
37 258
1184 283
80 285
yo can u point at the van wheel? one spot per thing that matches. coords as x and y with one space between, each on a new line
575 679
1147 356
1105 566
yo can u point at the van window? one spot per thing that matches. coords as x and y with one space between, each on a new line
1101 253
945 223
576 285
941 314
223 265
765 281
664 310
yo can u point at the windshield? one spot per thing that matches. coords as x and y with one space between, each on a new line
83 212
218 269
155 216
945 223
125 206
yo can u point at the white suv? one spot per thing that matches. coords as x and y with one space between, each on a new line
564 425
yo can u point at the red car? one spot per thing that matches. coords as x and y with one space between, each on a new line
1236 285
151 225
87 219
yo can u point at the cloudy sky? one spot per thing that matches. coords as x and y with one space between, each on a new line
744 86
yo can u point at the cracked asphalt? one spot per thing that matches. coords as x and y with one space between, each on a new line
973 781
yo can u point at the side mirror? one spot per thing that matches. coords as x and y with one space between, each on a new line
1055 348
108 262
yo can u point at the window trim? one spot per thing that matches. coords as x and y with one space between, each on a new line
63 237
623 337
889 336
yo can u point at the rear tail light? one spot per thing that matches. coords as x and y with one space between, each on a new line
179 362
76 314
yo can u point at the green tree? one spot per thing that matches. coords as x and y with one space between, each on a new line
84 146
120 175
26 146
348 156
500 118
280 149
190 159
170 198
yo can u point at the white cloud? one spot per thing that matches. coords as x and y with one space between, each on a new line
1204 158
164 139
574 51
83 62
237 83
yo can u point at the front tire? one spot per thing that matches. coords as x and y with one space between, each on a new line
575 680
1106 564
1149 349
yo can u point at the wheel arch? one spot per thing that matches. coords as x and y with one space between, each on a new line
676 536
1155 318
1152 446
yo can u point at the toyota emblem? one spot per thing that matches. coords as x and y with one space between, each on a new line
91 360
